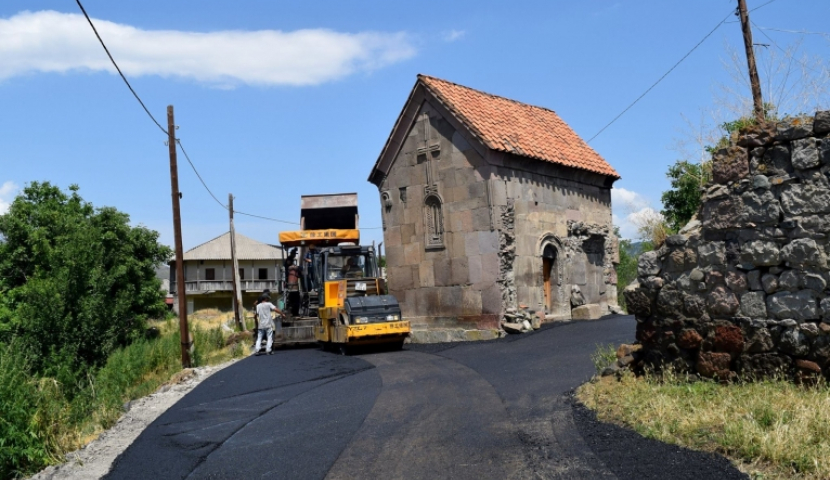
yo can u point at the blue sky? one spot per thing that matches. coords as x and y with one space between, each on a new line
279 99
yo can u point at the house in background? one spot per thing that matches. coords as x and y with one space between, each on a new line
208 272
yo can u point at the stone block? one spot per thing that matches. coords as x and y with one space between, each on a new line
490 266
730 164
648 264
498 192
450 301
426 274
712 253
400 278
408 234
471 302
721 302
392 236
470 243
761 207
729 339
805 153
802 252
760 253
460 271
800 306
491 300
724 213
488 242
753 305
794 128
776 161
457 244
394 255
711 364
481 218
413 253
801 199
591 311
689 339
442 274
821 122
474 262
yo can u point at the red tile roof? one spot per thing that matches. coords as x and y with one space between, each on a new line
509 126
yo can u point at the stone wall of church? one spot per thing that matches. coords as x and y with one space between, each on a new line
457 276
569 212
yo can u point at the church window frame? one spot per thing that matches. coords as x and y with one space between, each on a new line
433 222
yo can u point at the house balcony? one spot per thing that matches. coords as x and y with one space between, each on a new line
198 287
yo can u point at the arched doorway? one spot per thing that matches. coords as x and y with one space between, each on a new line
549 276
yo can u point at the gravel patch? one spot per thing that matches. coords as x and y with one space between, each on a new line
94 460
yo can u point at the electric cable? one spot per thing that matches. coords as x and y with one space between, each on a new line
731 12
118 69
178 141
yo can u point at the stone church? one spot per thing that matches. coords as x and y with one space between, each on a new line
493 210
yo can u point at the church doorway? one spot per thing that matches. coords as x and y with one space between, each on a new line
549 275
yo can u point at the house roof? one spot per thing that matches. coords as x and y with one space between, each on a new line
513 127
246 249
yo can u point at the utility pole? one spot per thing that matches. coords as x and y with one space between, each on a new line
237 295
177 232
750 59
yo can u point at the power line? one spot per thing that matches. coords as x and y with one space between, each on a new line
664 76
801 32
803 64
178 141
762 6
119 70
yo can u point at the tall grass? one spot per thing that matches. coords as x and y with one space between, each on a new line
772 428
39 423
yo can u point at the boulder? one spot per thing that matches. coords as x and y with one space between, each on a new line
730 164
712 364
761 253
591 311
648 264
805 154
689 339
721 302
821 122
801 252
753 305
799 306
794 342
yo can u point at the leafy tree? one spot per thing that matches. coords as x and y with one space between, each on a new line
76 282
680 203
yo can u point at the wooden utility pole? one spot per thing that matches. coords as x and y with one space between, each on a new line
177 233
750 59
237 295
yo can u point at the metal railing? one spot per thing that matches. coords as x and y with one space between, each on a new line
198 286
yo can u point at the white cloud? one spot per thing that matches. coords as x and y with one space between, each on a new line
630 211
454 35
7 192
49 41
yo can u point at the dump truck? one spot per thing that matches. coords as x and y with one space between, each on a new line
340 301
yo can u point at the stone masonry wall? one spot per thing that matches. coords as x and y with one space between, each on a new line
743 289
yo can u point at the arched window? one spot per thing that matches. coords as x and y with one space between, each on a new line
433 222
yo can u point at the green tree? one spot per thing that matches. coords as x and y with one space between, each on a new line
680 203
76 282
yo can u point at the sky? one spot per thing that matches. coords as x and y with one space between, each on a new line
274 100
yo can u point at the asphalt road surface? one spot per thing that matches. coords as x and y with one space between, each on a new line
486 410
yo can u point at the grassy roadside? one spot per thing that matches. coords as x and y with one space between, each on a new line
771 429
42 423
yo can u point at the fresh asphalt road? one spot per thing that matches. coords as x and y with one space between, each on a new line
486 410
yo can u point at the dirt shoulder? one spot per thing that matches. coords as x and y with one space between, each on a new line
94 460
